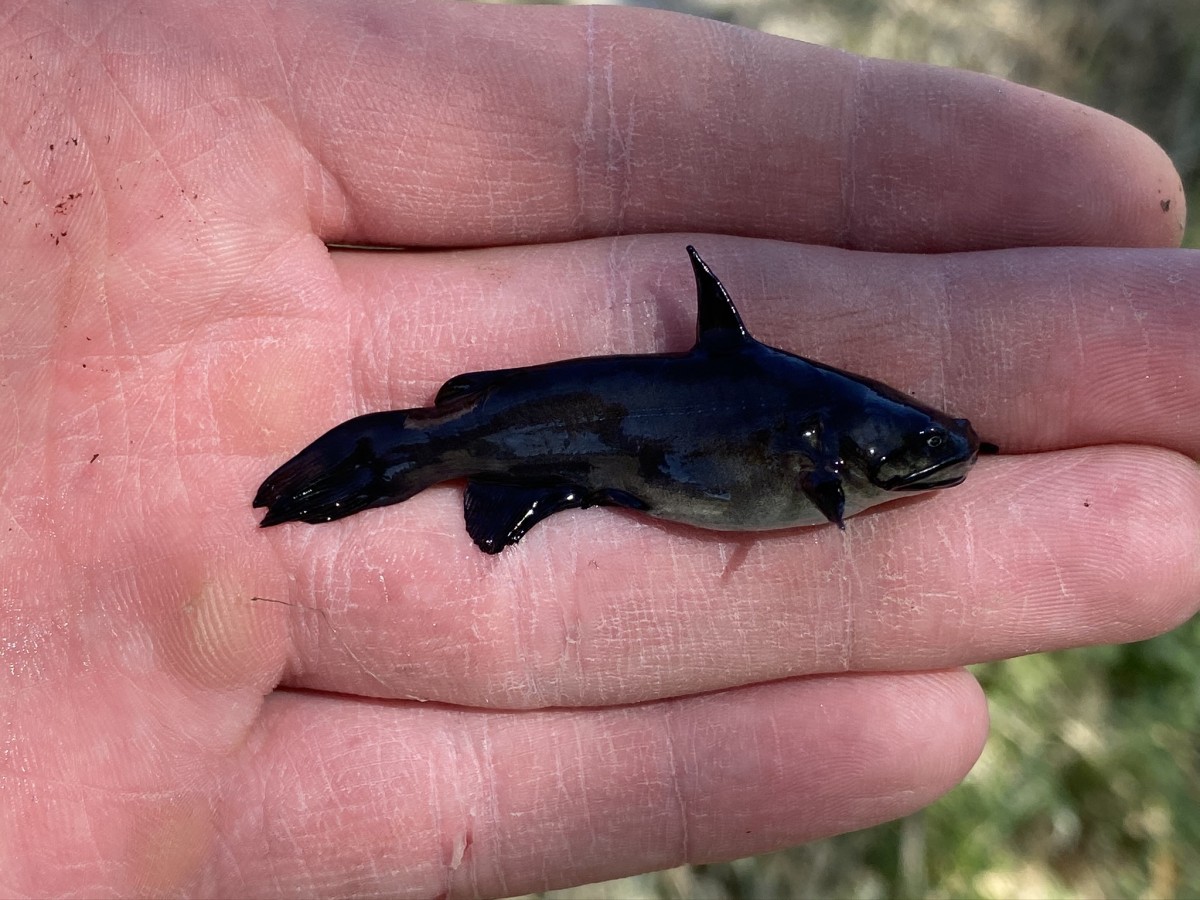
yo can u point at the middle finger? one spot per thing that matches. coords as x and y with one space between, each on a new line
601 607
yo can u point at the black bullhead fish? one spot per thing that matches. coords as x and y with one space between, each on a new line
732 435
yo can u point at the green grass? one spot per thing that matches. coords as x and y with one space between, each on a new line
1090 784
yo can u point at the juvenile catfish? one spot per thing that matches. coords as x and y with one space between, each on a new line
732 435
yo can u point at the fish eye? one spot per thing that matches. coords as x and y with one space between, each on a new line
935 440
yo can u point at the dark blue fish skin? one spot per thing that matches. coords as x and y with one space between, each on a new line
732 435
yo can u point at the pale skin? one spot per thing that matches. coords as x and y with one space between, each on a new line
613 695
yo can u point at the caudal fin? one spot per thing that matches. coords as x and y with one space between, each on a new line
368 461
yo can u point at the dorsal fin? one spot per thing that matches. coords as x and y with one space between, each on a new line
718 325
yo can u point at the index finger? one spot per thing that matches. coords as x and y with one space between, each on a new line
456 124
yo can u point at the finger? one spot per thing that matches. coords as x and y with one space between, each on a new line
566 123
1042 348
336 797
414 611
455 124
595 607
572 615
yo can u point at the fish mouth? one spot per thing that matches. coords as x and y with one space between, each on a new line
948 471
942 475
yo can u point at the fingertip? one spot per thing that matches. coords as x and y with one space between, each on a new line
1009 165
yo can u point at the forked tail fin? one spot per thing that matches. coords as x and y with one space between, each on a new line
372 460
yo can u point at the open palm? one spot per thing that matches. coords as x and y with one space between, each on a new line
194 706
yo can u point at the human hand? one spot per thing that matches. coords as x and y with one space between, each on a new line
613 695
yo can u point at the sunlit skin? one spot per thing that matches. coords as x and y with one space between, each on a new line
617 694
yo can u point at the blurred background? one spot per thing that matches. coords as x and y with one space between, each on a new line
1090 783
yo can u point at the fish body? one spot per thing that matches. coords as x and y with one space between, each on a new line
732 435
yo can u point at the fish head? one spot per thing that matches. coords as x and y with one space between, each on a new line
935 456
899 445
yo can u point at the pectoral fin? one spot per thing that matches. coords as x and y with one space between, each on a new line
499 514
824 489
